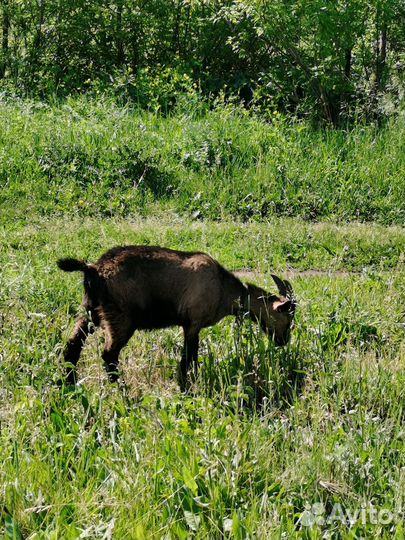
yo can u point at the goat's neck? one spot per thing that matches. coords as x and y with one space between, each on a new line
249 302
241 302
234 295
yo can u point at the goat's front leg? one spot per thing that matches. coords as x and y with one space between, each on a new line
83 328
189 356
116 338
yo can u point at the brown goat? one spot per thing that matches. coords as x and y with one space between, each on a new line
142 288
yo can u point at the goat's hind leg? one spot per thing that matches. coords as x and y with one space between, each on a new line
189 357
82 329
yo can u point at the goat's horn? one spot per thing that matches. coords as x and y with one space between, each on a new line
284 287
281 286
290 292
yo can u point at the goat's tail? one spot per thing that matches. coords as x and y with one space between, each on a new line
93 284
72 265
75 265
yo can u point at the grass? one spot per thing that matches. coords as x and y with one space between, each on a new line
144 461
324 455
95 158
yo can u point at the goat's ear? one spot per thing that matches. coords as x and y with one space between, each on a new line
282 306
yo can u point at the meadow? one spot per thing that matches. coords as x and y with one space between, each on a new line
141 460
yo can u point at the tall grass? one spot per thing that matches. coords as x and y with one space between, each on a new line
95 158
271 440
142 460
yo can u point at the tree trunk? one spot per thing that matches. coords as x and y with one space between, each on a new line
37 41
5 37
327 105
176 30
381 59
380 53
348 63
186 30
119 35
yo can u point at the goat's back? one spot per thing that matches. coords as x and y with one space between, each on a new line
154 281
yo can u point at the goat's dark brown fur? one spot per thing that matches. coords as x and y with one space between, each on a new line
142 288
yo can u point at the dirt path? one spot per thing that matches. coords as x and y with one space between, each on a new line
243 273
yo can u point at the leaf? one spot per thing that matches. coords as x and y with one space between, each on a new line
236 526
192 520
11 529
189 481
276 487
57 421
140 531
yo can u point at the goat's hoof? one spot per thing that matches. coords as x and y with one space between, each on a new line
64 386
185 387
113 376
71 379
67 382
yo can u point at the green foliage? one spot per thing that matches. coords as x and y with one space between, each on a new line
145 461
333 61
266 432
158 90
96 158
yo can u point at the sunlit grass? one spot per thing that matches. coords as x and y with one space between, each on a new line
95 158
265 433
141 460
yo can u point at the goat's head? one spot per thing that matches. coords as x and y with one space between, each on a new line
275 314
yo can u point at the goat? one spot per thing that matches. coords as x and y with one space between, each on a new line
143 288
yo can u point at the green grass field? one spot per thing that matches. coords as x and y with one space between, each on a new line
325 455
93 158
